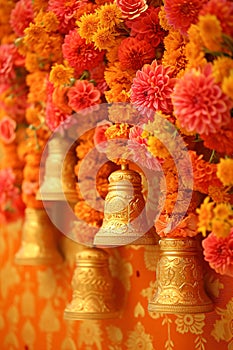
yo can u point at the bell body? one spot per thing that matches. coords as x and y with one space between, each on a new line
180 284
59 177
125 219
39 240
92 287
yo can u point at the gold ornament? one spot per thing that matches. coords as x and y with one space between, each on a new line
92 287
180 285
125 219
38 245
59 177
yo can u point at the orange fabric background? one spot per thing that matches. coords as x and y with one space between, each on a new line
33 299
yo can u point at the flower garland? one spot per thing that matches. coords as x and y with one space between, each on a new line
171 60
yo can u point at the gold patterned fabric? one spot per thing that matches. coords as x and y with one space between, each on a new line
33 299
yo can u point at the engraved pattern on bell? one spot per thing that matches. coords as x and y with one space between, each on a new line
124 212
180 284
38 246
92 287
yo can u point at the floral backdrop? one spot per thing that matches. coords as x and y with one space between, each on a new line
171 60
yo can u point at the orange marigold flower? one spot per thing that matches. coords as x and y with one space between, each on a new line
205 216
134 53
225 171
61 74
104 39
221 68
204 173
37 85
115 75
227 85
35 37
220 228
109 15
48 20
194 48
157 148
211 32
223 211
117 94
218 194
88 25
222 140
117 131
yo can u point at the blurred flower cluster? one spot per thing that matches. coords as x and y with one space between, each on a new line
172 61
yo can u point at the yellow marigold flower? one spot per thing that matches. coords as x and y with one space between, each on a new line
194 48
220 228
225 171
104 39
205 216
218 194
222 67
52 48
109 15
47 20
227 85
157 148
88 25
61 75
34 63
222 211
211 32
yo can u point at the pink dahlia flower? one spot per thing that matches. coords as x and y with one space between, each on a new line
152 88
147 27
199 103
219 253
138 147
80 56
11 204
131 9
9 59
7 129
21 16
83 95
65 10
54 117
182 13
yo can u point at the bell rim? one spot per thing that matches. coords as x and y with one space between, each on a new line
75 315
180 309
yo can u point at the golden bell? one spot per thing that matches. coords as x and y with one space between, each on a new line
180 284
92 287
59 177
125 219
38 245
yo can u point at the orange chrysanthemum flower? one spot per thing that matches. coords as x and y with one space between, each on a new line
109 15
87 26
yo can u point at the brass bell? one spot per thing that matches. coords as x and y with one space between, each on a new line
59 178
92 287
125 220
38 246
180 284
